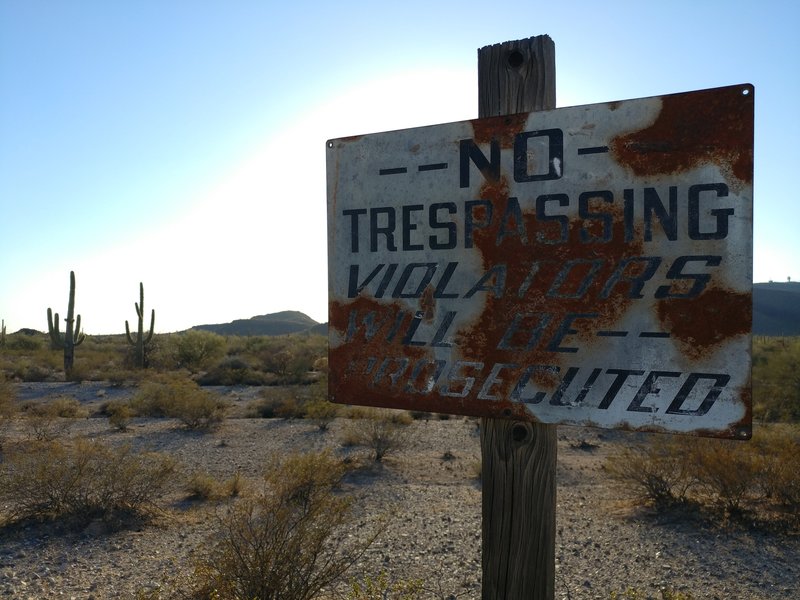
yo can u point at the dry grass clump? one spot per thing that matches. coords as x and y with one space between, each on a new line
382 587
205 487
80 481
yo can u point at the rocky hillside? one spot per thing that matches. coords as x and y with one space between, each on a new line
280 323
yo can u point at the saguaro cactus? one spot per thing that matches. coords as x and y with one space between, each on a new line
141 342
72 336
3 334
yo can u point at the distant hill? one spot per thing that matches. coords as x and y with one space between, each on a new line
776 308
776 311
280 323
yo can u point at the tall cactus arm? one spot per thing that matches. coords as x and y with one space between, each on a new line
78 335
52 328
152 326
128 333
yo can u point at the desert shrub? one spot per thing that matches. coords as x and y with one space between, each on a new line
733 475
67 407
82 481
278 404
321 412
199 409
31 373
263 408
235 485
288 542
776 380
182 399
383 431
24 342
203 486
78 373
382 588
119 414
658 469
46 421
7 404
726 470
154 398
778 464
196 349
233 371
7 396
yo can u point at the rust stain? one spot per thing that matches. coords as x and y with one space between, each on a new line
427 303
703 323
347 139
534 267
347 374
352 382
710 126
503 129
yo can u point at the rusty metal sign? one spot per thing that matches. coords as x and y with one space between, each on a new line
589 265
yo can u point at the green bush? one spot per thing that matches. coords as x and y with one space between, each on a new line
195 349
288 542
81 481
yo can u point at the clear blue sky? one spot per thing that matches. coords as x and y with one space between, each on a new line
181 143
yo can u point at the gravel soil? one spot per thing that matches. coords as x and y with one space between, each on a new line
431 498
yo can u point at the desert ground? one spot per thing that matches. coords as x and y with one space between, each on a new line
607 541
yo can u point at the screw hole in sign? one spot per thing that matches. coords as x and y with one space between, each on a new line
746 92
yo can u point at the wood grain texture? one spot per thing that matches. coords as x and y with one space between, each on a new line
519 459
518 76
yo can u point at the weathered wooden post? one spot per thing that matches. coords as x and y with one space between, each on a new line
519 458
